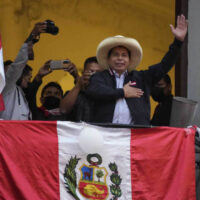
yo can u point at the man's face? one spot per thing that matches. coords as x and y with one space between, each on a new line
51 91
26 80
93 67
119 59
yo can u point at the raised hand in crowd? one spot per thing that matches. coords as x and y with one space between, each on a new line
43 71
83 81
76 98
71 68
180 30
34 37
39 28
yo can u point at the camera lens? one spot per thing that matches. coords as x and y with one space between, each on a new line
66 61
51 28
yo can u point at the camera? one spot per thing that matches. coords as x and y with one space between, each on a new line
51 27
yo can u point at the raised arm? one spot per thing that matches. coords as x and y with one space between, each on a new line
69 101
155 72
33 88
180 30
71 68
15 69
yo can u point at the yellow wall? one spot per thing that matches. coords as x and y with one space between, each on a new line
83 24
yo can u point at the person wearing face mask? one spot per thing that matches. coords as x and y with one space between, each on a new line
51 94
162 93
50 98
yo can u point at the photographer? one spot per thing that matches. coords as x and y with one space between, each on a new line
51 93
16 106
76 103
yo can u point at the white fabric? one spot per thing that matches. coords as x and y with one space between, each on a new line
122 113
198 130
2 75
116 149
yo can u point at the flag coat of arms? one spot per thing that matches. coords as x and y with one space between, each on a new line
44 160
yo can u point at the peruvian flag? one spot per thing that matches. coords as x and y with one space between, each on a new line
2 77
47 160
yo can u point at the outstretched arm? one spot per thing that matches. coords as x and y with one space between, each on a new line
43 71
15 70
69 101
71 68
33 88
156 71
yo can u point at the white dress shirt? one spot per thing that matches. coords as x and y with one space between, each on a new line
122 113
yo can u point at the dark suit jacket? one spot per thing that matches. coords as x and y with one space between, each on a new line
102 89
162 113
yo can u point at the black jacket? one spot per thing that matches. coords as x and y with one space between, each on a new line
102 89
162 113
37 113
82 110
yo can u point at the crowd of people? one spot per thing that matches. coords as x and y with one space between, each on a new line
110 89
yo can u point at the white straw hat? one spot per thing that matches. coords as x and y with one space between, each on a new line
131 44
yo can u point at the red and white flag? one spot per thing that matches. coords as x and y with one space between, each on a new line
2 77
44 160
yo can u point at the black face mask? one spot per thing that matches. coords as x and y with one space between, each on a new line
51 102
157 94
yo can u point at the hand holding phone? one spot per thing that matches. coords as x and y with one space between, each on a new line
58 64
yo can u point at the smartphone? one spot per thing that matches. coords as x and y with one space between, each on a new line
58 64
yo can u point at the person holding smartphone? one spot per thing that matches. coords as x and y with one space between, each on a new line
51 94
76 104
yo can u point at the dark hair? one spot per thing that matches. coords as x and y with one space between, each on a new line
109 53
90 60
167 79
7 62
25 72
51 84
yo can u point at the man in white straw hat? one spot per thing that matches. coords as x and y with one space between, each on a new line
120 92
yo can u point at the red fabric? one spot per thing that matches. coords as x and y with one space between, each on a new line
28 161
2 106
44 110
54 112
163 164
